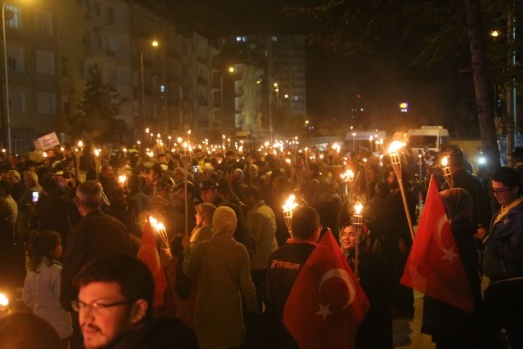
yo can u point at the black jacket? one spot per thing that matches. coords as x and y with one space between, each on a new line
97 234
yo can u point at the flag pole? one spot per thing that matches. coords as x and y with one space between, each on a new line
396 166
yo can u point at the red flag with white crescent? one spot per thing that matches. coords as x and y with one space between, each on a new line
326 303
148 253
434 266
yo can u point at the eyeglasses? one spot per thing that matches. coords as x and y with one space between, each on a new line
97 308
499 191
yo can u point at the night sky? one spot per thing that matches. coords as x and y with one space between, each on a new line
382 79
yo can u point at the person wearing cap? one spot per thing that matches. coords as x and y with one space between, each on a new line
54 209
97 234
221 266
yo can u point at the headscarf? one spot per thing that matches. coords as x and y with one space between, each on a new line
224 220
458 205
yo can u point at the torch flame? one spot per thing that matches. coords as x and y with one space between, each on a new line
122 179
4 302
290 205
160 230
395 146
348 175
445 161
358 208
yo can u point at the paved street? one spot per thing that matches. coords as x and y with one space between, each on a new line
407 331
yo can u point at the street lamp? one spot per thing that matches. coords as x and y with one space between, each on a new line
230 70
154 44
7 116
275 86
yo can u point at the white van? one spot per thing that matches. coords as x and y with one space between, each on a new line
371 141
433 137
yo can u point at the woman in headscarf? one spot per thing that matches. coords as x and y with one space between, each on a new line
451 327
221 266
377 281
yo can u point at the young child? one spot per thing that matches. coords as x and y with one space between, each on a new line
41 291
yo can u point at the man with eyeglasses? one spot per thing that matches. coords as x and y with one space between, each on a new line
503 261
115 308
97 234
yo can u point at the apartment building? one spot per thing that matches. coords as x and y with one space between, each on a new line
54 45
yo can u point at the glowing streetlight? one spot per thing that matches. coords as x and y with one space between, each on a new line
155 44
495 33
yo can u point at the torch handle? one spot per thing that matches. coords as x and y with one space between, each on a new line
406 208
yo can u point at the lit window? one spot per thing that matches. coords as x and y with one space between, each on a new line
12 15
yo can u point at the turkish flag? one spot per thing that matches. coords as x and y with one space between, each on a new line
326 303
434 266
148 253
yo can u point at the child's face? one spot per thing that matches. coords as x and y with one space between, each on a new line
57 253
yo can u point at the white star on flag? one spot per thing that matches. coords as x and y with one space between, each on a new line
448 254
324 311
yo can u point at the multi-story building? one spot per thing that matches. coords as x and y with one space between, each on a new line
53 46
31 68
247 102
282 60
171 87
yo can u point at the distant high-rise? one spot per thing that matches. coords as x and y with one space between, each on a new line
282 60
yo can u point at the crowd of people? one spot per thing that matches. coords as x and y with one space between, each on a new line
230 261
